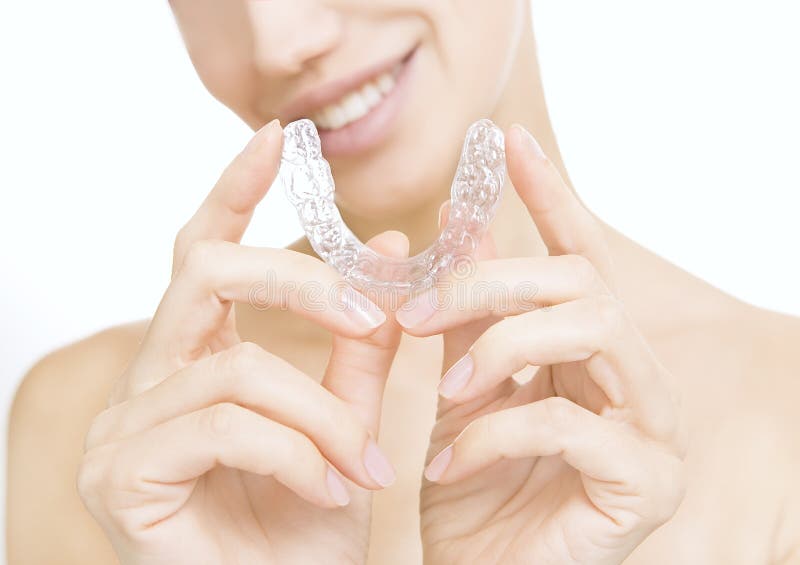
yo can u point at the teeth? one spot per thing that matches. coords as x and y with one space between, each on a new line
335 116
357 104
385 83
371 95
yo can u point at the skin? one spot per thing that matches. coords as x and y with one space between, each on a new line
660 426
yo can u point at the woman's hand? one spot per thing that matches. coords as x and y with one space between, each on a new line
217 451
584 461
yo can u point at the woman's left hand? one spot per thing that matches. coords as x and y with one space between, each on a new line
583 462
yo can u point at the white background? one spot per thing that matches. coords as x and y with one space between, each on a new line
678 122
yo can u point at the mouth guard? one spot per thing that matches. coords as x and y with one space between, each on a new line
474 194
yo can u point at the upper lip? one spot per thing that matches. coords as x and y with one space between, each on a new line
318 97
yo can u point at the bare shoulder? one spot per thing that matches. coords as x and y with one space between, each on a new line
72 367
52 410
771 378
739 369
765 345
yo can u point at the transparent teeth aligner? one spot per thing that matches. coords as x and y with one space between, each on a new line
474 196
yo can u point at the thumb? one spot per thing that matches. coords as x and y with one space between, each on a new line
358 368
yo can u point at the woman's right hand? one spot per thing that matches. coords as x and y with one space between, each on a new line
217 451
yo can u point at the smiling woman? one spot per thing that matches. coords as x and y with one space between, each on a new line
619 410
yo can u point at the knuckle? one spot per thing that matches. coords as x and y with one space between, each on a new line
298 447
583 270
670 490
183 239
92 474
240 361
610 313
219 419
663 424
560 412
200 256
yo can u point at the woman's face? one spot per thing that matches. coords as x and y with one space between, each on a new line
391 84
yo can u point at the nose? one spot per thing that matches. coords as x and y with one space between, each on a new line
291 34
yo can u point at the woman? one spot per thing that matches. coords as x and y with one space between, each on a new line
659 427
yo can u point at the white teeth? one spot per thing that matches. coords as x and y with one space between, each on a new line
357 104
385 83
336 116
372 96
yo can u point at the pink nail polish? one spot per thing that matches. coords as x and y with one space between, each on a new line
377 465
418 310
337 489
457 377
439 464
362 310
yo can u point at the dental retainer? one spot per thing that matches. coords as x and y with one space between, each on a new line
474 194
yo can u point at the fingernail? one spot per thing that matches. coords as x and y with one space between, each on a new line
439 464
337 489
442 216
530 141
361 310
457 377
261 135
377 465
418 310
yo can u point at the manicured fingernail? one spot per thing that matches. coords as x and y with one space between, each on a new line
261 135
457 377
337 489
530 141
439 464
444 211
418 310
377 465
361 310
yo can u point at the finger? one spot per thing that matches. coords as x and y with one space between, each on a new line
595 330
501 287
459 339
216 274
227 210
248 376
223 434
595 446
565 225
358 368
630 480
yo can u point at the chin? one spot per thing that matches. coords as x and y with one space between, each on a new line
414 174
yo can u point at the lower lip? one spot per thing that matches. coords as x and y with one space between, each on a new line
370 130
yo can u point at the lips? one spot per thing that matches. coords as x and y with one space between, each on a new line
356 104
354 114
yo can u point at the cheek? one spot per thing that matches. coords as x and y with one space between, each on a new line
462 71
218 37
232 83
479 44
